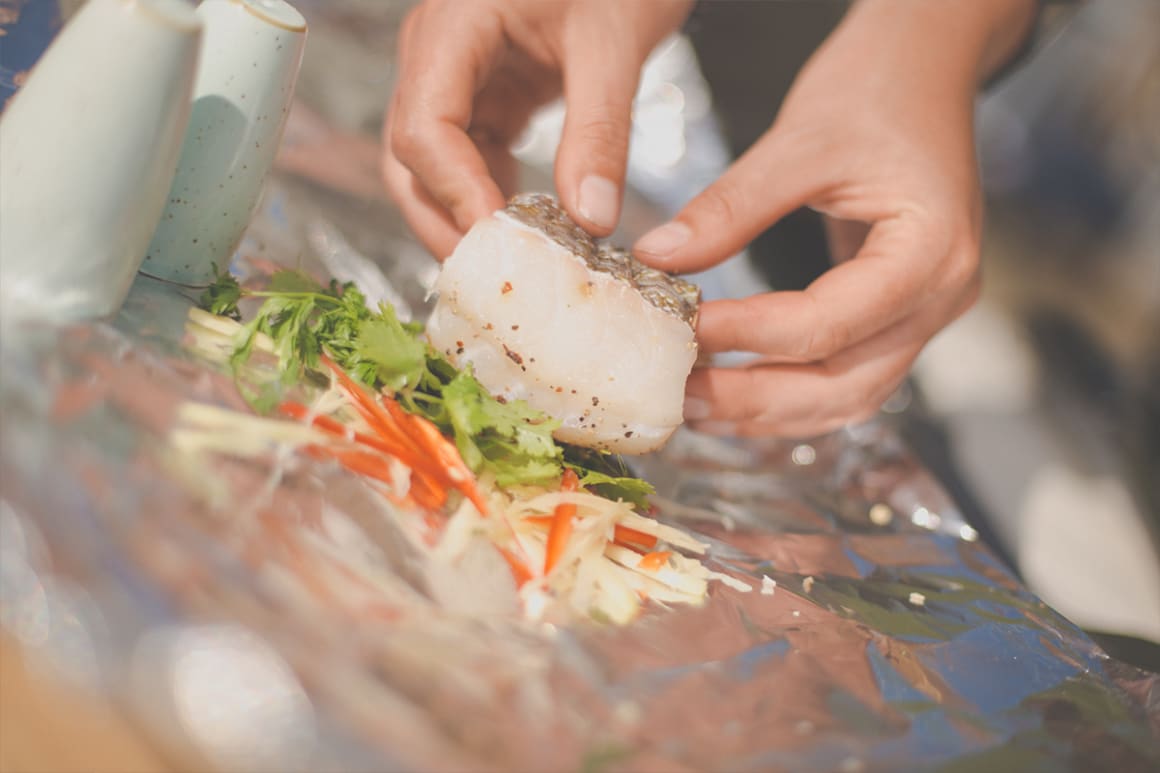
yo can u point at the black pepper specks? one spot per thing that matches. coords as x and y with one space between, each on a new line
513 356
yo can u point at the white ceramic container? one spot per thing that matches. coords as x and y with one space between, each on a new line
88 149
251 53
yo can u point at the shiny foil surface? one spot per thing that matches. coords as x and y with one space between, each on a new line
880 634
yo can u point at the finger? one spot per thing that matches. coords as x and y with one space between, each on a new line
899 267
429 221
600 81
793 400
845 237
431 224
769 181
436 89
798 400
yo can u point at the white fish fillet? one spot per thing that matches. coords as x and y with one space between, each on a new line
543 315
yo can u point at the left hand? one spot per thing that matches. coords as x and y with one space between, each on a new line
877 135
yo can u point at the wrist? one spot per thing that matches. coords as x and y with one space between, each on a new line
969 40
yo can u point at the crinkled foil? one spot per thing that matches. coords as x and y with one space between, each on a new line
880 634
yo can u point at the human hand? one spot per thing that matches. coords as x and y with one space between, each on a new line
876 134
470 76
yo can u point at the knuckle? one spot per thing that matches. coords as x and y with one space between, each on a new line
603 135
720 203
826 338
962 264
407 139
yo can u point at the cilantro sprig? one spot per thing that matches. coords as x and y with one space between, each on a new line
304 319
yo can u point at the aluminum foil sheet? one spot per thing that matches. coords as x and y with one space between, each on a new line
261 619
880 634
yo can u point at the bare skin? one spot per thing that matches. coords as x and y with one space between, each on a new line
876 134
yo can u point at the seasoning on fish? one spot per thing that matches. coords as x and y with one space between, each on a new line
583 332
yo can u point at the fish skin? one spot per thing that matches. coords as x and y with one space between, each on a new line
667 292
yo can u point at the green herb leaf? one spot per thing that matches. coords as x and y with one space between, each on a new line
222 296
511 439
397 358
607 475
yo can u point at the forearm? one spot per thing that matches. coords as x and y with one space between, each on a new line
967 40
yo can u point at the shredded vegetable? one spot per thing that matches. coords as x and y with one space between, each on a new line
461 468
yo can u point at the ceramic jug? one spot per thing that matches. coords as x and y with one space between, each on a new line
88 148
251 53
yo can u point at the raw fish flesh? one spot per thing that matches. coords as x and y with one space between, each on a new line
585 333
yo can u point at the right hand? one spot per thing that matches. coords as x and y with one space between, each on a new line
470 75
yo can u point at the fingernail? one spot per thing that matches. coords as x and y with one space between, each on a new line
663 241
696 408
599 201
722 428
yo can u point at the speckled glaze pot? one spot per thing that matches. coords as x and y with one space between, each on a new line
251 53
88 149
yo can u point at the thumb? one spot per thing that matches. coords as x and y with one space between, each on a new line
600 80
761 187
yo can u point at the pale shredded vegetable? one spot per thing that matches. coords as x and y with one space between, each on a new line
612 561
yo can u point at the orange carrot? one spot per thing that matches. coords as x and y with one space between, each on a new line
428 453
426 491
520 570
334 427
362 462
442 450
370 409
629 534
538 520
561 528
654 561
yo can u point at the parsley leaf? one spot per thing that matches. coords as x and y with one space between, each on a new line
511 439
397 357
222 296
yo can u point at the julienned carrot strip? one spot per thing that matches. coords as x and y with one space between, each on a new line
418 435
358 461
538 520
653 561
370 409
443 450
520 570
302 413
334 427
629 534
426 491
561 528
391 431
558 535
